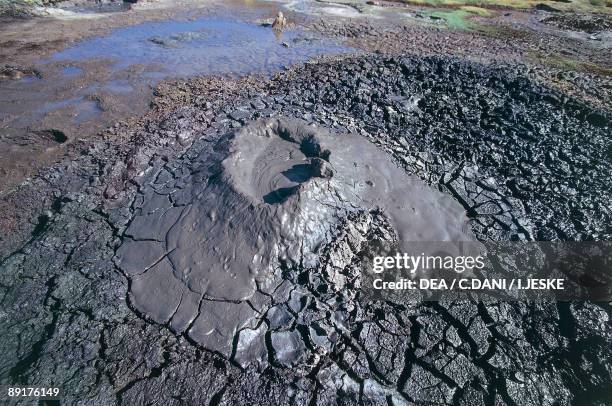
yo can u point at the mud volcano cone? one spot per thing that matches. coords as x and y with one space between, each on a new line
207 257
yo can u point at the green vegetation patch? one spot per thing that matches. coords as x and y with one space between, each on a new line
455 19
459 19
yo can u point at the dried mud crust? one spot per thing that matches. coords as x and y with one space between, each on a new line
524 161
574 66
581 22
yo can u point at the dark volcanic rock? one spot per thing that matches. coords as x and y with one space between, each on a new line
523 161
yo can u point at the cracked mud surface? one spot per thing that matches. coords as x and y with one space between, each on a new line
524 161
215 236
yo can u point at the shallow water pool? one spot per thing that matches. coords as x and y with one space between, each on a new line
202 47
122 67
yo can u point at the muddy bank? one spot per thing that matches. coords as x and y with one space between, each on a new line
523 161
80 73
88 86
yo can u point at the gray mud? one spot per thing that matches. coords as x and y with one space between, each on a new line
222 46
268 197
90 85
524 161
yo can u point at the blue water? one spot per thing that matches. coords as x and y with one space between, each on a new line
29 79
201 47
84 110
118 86
156 51
71 71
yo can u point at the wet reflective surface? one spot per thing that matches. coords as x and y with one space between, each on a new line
87 87
142 55
204 46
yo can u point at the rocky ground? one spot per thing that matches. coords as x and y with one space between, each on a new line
523 148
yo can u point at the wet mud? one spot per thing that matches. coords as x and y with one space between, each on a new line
209 247
514 158
95 68
266 198
89 86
